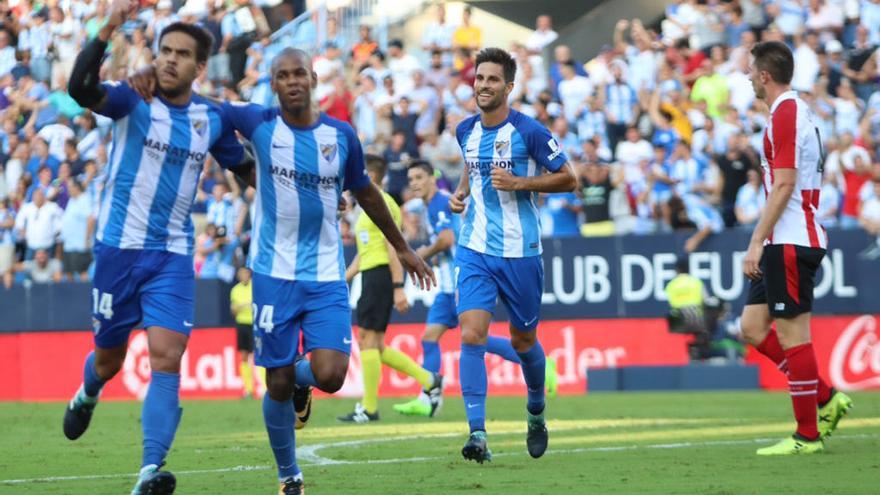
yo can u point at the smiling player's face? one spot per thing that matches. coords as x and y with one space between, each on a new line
490 89
176 65
293 80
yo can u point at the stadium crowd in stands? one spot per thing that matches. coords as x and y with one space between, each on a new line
662 125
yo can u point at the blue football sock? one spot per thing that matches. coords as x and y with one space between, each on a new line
279 419
160 416
501 346
472 373
431 356
533 363
92 383
304 375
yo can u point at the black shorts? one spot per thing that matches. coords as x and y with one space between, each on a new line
789 279
244 337
76 262
377 299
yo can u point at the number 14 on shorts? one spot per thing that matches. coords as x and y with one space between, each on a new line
102 303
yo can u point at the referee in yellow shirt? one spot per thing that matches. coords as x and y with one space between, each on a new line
240 302
381 287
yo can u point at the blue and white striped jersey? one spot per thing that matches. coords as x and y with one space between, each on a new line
159 150
439 217
301 173
504 223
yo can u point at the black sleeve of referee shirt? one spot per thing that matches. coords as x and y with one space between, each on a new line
85 80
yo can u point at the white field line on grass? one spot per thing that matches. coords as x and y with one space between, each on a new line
308 455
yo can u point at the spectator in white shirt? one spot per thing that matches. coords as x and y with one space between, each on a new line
806 62
823 15
829 202
55 136
7 53
869 215
631 152
402 66
543 35
573 91
38 223
847 109
426 103
42 269
65 42
7 242
457 96
750 200
438 36
78 226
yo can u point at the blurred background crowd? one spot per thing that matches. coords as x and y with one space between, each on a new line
662 126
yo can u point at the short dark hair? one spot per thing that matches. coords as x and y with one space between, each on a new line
375 163
204 39
774 57
500 57
424 165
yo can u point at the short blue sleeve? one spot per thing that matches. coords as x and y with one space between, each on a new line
541 145
463 127
245 117
226 149
356 177
119 101
440 215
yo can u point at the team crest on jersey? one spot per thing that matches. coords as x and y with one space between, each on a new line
328 151
200 126
502 147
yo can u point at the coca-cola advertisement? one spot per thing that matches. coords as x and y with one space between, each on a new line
847 352
48 365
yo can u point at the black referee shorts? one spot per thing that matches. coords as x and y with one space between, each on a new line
789 279
244 337
377 299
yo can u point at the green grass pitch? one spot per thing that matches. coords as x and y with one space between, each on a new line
689 443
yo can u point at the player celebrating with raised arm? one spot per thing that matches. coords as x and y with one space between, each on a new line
304 160
443 227
143 255
499 248
786 249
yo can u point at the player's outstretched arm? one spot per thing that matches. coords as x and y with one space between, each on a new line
562 180
85 80
374 206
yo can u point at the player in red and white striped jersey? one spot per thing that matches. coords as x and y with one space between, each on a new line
785 251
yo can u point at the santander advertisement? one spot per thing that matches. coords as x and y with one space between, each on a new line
48 365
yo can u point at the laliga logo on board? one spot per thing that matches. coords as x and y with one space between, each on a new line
855 360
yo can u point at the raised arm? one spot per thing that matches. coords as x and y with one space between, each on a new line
85 80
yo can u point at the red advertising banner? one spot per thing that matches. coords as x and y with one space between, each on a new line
48 365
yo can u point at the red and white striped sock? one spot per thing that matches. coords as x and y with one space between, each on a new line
771 348
803 380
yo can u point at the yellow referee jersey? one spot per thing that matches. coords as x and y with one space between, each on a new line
370 241
243 295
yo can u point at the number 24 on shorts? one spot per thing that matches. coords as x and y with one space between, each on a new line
265 317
